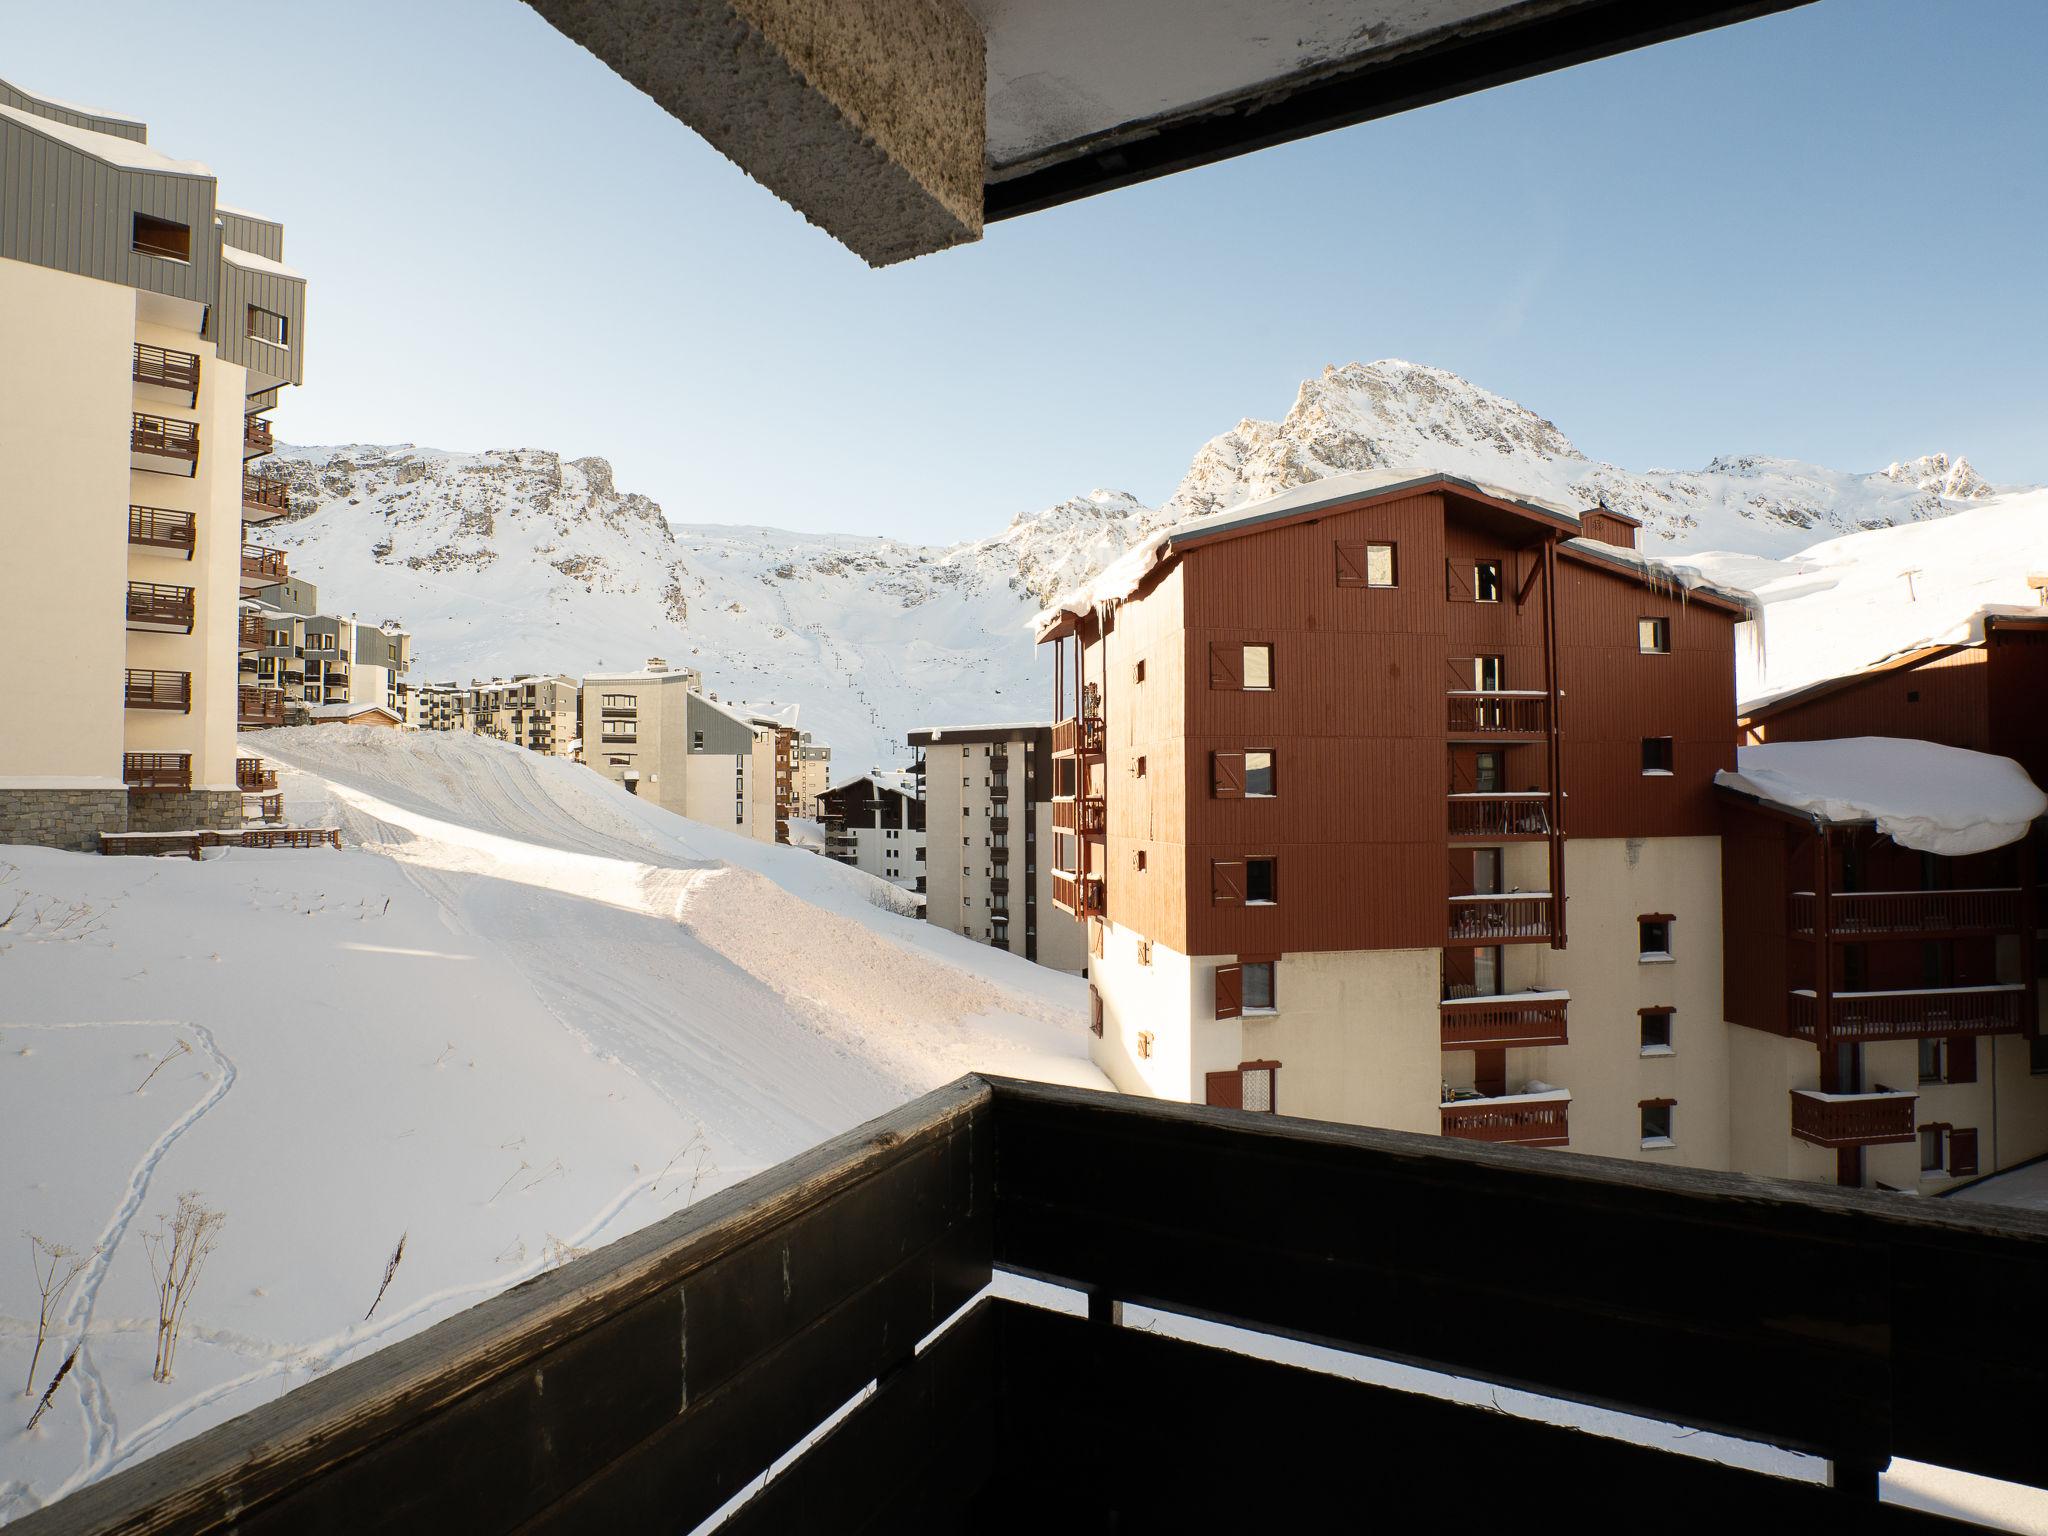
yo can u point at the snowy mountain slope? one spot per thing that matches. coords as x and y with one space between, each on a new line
519 560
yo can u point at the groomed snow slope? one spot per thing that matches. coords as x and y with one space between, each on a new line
520 1014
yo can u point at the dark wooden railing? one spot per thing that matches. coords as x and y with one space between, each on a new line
1494 919
999 886
264 497
142 689
649 1384
1085 814
257 438
1469 1022
158 603
162 528
259 706
1080 896
252 632
1499 816
266 567
1077 734
999 792
1913 1014
154 772
999 825
1476 712
1519 1122
163 437
1880 914
271 807
251 773
1852 1120
167 369
999 857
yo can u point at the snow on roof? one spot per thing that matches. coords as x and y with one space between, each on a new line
1663 573
936 732
731 712
900 780
249 261
244 213
349 711
112 148
1922 795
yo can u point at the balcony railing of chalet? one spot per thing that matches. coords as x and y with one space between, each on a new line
252 774
259 706
1914 1013
1878 914
1077 734
167 369
1513 1018
270 807
263 496
156 772
1497 712
1079 895
644 1385
1492 919
142 689
162 437
1087 813
265 567
1852 1119
252 632
257 437
162 528
156 603
1496 816
1522 1119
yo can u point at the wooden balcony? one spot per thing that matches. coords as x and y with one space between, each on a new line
1484 714
1088 813
1077 736
263 498
270 807
258 708
262 567
156 772
1000 886
1500 919
1852 1119
1499 818
157 690
1508 1019
999 825
252 632
999 792
1000 857
1079 895
1520 1119
162 528
1913 1014
170 446
252 774
157 606
1858 915
257 438
166 369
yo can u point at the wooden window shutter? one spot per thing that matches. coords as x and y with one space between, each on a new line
1962 1059
1226 1090
1229 991
1226 880
1962 1153
1226 775
1456 587
1226 664
1351 564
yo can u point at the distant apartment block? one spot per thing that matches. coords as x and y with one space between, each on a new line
657 734
538 713
988 828
811 774
302 665
148 327
876 823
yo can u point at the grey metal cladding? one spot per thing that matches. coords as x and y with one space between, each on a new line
60 112
65 209
722 733
268 363
247 232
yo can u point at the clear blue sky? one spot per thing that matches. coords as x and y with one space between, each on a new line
1821 234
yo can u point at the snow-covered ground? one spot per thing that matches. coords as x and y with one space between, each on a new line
520 1014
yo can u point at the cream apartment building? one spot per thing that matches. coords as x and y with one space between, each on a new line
988 836
147 327
313 661
810 773
657 734
539 713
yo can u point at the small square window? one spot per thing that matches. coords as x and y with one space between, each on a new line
1486 581
1931 1159
1138 673
1261 881
1930 1061
1657 756
1138 861
1657 1125
1258 666
1653 938
1258 986
268 325
1653 636
1138 766
1258 775
1656 1032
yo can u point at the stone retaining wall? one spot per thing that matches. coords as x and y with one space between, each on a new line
64 818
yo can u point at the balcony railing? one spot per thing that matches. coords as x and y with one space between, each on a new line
157 605
263 497
1088 813
252 774
1497 712
999 792
257 438
162 528
1852 1119
1079 895
262 567
252 632
157 690
1077 734
156 772
162 437
1495 817
167 369
1880 914
1515 1018
271 807
259 707
1495 919
999 857
1000 886
1914 1013
1524 1119
999 825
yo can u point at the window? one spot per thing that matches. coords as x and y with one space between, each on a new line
1657 756
1930 1061
625 701
268 325
1258 666
162 237
1653 936
1258 775
1138 766
1656 1115
2037 1056
1138 861
1486 871
1138 673
1949 1061
1653 636
1261 882
1365 565
1486 581
1932 1160
1258 986
1250 1086
1656 1031
1489 674
1486 773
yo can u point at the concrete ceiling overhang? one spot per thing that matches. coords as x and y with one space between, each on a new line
903 126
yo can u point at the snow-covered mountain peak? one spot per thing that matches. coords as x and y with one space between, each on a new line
1936 473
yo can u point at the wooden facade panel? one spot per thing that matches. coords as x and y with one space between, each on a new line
1755 876
1945 698
2016 683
